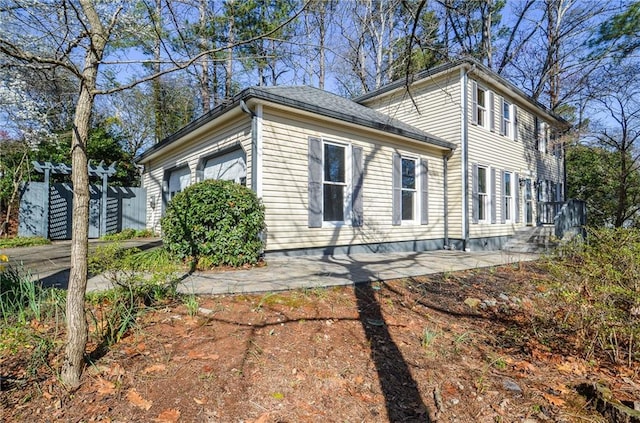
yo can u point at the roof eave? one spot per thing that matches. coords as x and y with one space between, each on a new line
345 117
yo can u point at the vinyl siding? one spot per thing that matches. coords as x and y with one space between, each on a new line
438 106
438 112
285 186
500 152
220 138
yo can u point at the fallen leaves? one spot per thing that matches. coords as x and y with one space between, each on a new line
553 399
572 366
158 367
105 387
136 400
170 415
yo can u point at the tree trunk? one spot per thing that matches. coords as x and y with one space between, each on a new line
76 319
156 83
205 92
322 33
486 33
228 65
73 363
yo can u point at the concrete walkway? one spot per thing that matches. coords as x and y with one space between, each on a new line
282 273
50 263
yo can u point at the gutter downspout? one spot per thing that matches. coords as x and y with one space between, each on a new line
465 156
256 146
445 171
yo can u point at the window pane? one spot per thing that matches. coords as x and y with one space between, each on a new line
482 214
482 180
507 184
408 173
506 110
334 163
333 203
407 205
507 208
480 97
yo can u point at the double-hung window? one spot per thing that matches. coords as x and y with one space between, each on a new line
334 182
410 196
507 186
408 189
543 136
507 122
483 194
336 178
480 112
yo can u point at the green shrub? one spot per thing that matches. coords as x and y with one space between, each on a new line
220 221
597 284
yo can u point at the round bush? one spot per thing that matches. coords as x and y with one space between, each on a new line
214 222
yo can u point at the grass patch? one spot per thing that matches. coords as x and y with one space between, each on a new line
21 241
31 317
128 233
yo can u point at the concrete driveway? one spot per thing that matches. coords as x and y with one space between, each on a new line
50 264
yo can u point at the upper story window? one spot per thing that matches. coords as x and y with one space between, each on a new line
556 144
334 183
506 126
480 100
542 131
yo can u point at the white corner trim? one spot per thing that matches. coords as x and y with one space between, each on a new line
464 135
259 145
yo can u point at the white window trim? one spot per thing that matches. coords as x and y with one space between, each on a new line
508 124
417 199
484 107
543 137
511 208
487 195
347 185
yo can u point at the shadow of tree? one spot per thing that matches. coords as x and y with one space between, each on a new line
402 397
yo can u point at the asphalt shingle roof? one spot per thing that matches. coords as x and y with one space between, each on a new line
314 100
331 105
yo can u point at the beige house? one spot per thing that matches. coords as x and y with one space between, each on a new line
460 160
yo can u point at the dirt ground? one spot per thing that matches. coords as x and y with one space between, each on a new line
455 347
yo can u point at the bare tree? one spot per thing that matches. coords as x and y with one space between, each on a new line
615 95
74 35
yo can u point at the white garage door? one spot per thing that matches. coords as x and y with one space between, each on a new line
229 167
179 180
